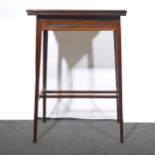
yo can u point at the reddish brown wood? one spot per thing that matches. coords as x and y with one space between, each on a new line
78 24
81 91
38 55
116 75
119 78
79 96
81 20
45 45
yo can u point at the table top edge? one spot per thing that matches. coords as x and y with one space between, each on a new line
43 12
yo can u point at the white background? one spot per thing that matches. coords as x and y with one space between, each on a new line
17 55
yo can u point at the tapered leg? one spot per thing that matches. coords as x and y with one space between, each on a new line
38 53
45 46
116 75
119 80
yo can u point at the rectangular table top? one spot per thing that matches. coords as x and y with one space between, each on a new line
81 13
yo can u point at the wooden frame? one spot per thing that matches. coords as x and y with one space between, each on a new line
81 20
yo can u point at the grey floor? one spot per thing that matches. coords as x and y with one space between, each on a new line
76 137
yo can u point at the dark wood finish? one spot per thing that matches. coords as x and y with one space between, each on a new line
119 78
116 74
80 91
79 13
79 96
82 20
78 24
45 46
38 55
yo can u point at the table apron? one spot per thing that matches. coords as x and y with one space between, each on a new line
79 25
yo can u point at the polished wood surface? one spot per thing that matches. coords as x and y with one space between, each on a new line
45 45
81 20
78 24
79 13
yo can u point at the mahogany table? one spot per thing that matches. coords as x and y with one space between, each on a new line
62 20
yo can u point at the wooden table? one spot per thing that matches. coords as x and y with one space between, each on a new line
76 20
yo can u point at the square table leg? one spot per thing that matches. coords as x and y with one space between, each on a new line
45 47
37 77
117 35
116 75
